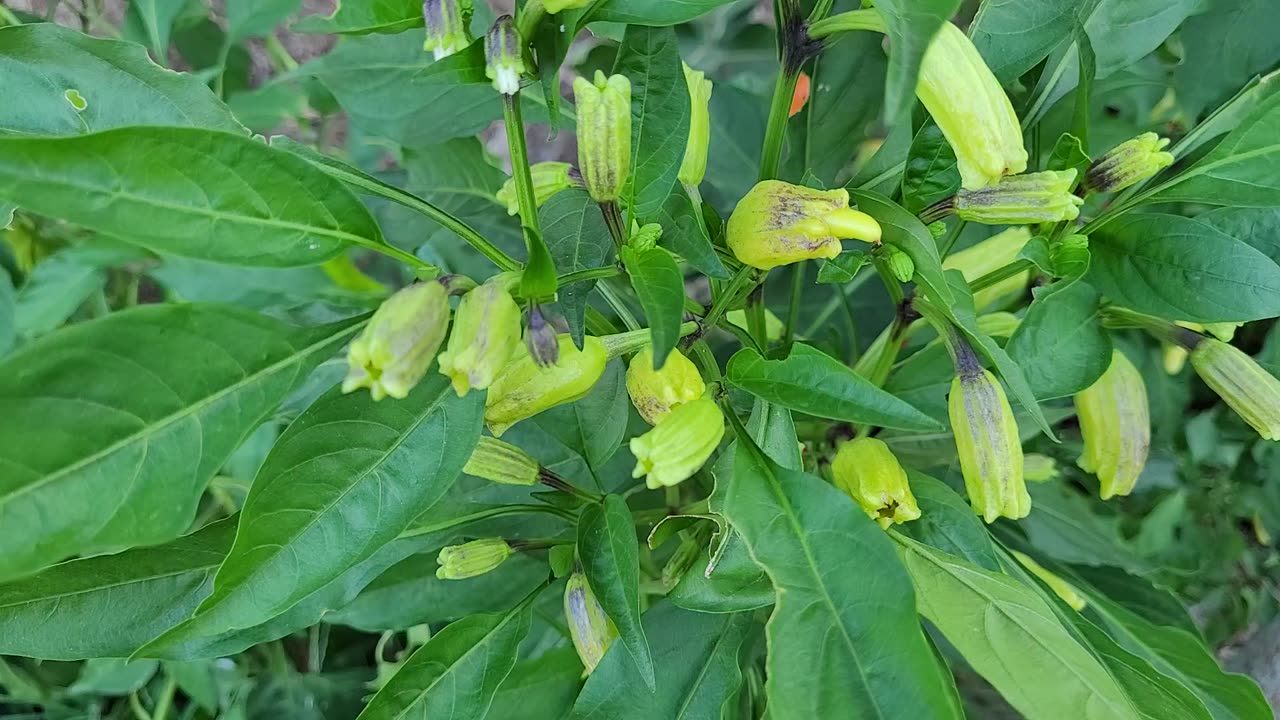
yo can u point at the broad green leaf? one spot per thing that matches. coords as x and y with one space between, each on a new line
358 17
843 637
1007 633
61 283
905 232
345 479
610 556
58 613
594 426
8 297
252 18
1230 114
112 428
736 583
813 382
658 283
199 193
843 267
1182 269
931 174
1155 696
1062 525
947 523
1060 344
1239 171
409 593
1212 69
696 655
117 81
578 238
457 673
846 93
1259 227
540 689
1015 35
151 21
650 58
111 676
912 24
653 13
684 233
738 121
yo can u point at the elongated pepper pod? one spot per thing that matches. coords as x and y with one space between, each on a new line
1060 587
867 471
987 441
446 22
975 116
604 134
523 389
395 349
590 628
504 56
778 223
1130 162
694 165
1241 382
548 177
1042 197
468 560
500 462
674 450
486 333
655 393
1115 424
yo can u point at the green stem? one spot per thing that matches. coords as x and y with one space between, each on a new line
7 18
711 368
528 18
999 274
775 132
949 240
793 309
589 274
165 701
514 124
834 304
616 302
722 303
865 19
616 224
757 322
485 515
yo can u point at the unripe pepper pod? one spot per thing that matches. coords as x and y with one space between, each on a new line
468 560
778 223
987 442
1132 161
1242 383
446 22
694 165
991 254
655 393
1060 587
674 450
590 628
1042 197
867 471
604 134
523 389
1115 424
975 116
548 177
395 349
486 332
1039 468
503 463
504 56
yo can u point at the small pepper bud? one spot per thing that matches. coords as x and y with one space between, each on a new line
1060 587
1130 162
486 332
446 22
504 56
988 443
1041 197
1224 331
1070 256
937 229
548 177
1039 468
540 338
395 349
992 254
655 393
592 631
694 166
645 237
975 116
681 560
1242 383
900 264
468 560
778 223
604 134
503 463
674 450
867 471
1173 358
1115 424
524 389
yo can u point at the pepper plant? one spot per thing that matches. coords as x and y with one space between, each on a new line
892 361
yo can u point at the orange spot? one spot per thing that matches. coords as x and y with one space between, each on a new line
801 95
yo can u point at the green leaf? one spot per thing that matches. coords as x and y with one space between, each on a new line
813 382
112 428
359 17
1060 344
932 173
846 95
199 193
1068 153
1259 227
1062 525
660 287
1182 269
109 676
58 613
1239 171
117 80
650 58
947 523
344 479
697 659
578 238
843 638
843 267
1155 696
736 583
150 21
905 232
610 556
1015 35
61 283
594 426
252 18
457 673
1007 633
738 121
684 233
8 331
912 24
540 689
652 13
1212 69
